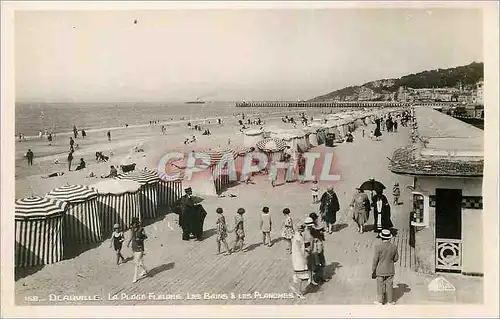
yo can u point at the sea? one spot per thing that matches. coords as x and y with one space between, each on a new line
60 117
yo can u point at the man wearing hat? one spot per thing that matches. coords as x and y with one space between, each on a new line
386 254
191 215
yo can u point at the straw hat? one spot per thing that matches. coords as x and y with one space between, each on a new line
308 221
385 234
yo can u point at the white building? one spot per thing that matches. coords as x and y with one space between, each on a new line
446 162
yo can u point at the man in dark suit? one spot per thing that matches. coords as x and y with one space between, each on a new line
191 215
386 254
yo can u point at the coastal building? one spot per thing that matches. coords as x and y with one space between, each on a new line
446 160
479 92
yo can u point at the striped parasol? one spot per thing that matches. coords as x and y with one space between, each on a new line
39 208
72 193
141 176
271 145
240 150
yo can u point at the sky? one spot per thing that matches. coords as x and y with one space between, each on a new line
227 55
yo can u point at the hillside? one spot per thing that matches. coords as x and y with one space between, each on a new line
467 75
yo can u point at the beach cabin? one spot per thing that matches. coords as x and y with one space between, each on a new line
446 161
82 224
38 231
118 202
148 193
251 137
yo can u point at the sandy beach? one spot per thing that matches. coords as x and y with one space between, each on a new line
29 179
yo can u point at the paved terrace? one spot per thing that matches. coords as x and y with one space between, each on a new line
179 267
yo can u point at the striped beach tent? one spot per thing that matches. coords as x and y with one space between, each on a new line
82 224
148 194
168 192
38 231
118 203
239 161
221 171
200 181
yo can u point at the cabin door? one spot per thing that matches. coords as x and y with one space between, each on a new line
448 230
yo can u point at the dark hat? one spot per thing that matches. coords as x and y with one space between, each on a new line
265 209
286 211
218 210
134 221
241 211
188 190
385 234
313 215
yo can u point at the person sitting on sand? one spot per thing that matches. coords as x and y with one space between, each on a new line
112 172
81 165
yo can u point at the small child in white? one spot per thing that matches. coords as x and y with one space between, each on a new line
315 192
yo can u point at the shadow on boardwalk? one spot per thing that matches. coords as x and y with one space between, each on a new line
161 269
400 290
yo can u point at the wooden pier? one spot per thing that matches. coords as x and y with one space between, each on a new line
330 104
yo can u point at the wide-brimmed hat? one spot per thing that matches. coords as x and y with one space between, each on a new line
308 221
188 190
385 234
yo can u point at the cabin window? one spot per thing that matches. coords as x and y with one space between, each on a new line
420 213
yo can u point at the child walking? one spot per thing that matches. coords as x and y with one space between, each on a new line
239 230
265 226
287 232
315 192
117 239
221 231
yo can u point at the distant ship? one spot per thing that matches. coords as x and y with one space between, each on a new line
198 101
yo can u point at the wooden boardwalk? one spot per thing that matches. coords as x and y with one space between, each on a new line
181 268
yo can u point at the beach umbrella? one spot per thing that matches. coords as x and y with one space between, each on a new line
372 185
38 231
148 194
81 221
118 203
271 145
